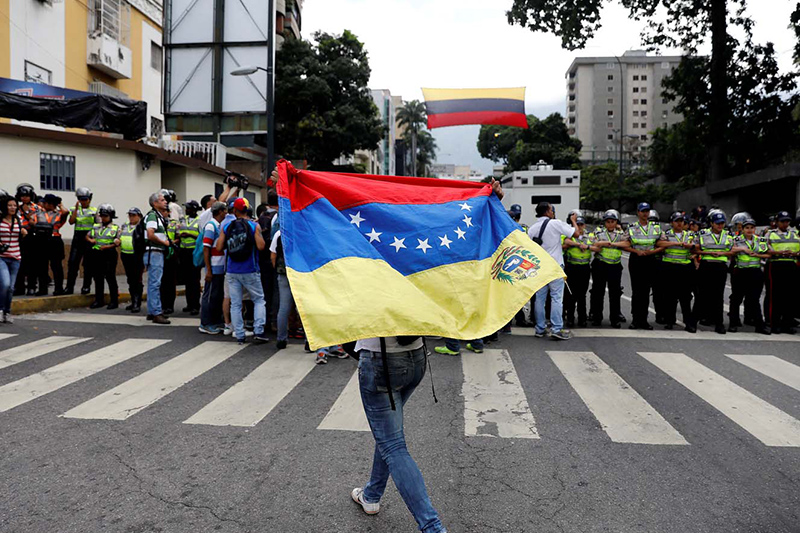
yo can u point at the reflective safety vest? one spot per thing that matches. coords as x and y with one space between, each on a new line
710 242
644 238
126 238
85 218
188 231
783 242
574 255
757 245
48 222
172 228
609 255
32 210
677 254
104 235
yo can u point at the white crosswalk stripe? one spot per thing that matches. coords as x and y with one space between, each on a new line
7 335
664 334
116 320
764 421
347 414
623 413
32 350
249 401
144 390
494 401
31 387
774 367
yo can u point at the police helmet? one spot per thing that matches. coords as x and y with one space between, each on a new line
107 209
653 217
717 218
192 205
748 222
171 197
3 193
677 215
26 189
135 211
83 193
573 212
515 215
515 208
783 215
611 214
715 211
740 217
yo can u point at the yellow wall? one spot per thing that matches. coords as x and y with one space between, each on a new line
5 39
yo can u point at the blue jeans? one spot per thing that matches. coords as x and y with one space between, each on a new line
285 306
455 345
238 283
556 289
154 265
406 370
8 277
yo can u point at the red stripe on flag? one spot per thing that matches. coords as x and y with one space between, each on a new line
498 118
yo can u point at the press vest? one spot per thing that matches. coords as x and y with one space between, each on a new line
756 245
677 254
189 230
782 242
710 242
574 255
644 238
126 238
85 218
104 235
609 255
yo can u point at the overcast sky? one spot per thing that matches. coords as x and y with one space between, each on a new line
469 43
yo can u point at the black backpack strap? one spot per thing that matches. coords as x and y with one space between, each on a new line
385 358
544 226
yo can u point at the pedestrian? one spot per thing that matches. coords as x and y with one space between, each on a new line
242 239
643 265
48 249
269 278
715 248
747 280
104 239
83 216
11 232
131 260
188 233
286 300
547 232
784 243
678 272
211 318
169 277
607 270
157 246
577 256
27 211
453 347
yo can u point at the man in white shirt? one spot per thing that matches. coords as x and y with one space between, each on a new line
549 230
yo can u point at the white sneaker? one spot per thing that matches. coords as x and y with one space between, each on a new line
7 318
369 508
228 330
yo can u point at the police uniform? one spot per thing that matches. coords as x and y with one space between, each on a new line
49 249
712 274
578 272
747 281
189 231
607 272
28 269
85 219
643 270
132 262
678 278
104 263
169 278
781 280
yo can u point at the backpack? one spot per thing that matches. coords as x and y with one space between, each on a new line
198 259
240 240
139 237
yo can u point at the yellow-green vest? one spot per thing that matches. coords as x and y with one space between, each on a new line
85 218
126 238
789 241
709 242
609 255
574 255
644 238
757 245
677 254
104 235
188 231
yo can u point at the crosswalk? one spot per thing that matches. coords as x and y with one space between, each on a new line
496 401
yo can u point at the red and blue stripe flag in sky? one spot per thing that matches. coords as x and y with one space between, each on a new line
377 256
458 107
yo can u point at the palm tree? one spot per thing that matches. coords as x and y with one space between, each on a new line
427 151
413 117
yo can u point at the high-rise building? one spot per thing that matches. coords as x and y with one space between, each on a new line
386 155
614 104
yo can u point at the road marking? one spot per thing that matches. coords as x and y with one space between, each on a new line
118 320
347 414
665 334
774 367
249 401
494 401
25 352
49 380
7 335
623 413
129 398
764 421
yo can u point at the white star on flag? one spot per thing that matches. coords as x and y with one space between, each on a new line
374 235
356 219
445 241
466 206
423 245
461 233
468 221
398 243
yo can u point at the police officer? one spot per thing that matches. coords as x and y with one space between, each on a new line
48 246
83 216
715 247
747 279
577 257
132 261
607 269
27 211
784 250
515 212
104 238
188 232
169 278
677 272
642 238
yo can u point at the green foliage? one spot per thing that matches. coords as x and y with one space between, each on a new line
413 117
600 189
426 151
324 108
518 148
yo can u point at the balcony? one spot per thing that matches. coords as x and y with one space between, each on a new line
212 153
108 39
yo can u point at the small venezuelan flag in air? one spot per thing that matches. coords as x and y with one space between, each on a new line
378 256
457 107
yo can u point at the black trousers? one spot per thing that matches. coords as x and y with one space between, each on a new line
49 254
660 290
644 271
269 283
781 287
26 277
605 275
79 251
678 286
747 284
711 279
169 282
104 267
213 294
191 277
578 280
133 272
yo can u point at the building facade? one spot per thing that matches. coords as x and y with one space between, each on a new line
386 148
614 104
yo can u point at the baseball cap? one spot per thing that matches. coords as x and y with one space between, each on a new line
784 215
241 204
644 206
580 220
516 208
135 211
677 215
748 222
717 218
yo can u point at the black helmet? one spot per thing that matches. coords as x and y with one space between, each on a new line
515 208
83 193
611 214
192 205
25 189
135 211
107 209
171 197
3 193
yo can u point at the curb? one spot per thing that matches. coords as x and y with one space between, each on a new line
44 304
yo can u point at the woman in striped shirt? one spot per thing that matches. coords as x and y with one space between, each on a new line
11 231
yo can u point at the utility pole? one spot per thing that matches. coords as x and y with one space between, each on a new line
620 179
270 89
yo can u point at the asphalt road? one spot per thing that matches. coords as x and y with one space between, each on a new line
214 455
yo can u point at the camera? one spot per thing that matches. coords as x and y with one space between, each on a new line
234 179
4 248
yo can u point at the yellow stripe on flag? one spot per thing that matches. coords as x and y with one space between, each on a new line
433 95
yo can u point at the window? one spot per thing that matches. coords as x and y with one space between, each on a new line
665 125
111 18
644 137
572 75
643 89
610 77
636 125
636 89
611 89
572 120
644 77
610 113
56 172
572 98
636 78
610 124
644 113
572 109
547 180
36 74
523 181
610 137
665 65
644 101
664 114
551 199
635 113
644 125
610 66
156 57
156 127
635 101
568 180
610 101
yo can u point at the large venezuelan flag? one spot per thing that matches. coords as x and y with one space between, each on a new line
377 256
457 107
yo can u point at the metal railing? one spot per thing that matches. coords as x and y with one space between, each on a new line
212 153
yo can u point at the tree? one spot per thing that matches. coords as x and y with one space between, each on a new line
426 151
324 108
413 117
518 148
600 189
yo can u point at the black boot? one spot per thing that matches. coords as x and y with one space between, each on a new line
137 304
114 303
96 304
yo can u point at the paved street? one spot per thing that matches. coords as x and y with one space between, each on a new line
111 424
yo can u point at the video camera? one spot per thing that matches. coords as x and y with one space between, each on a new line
234 179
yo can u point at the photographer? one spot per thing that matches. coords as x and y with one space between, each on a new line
11 231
